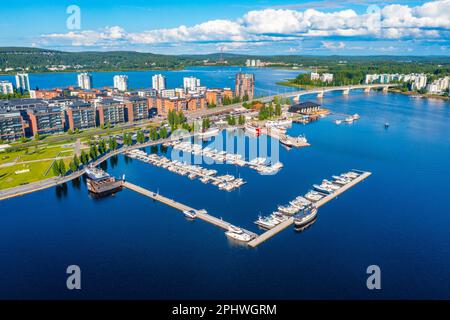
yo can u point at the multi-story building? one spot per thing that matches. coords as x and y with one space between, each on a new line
85 81
45 94
315 76
326 77
6 87
245 85
46 120
191 84
168 93
80 115
159 82
190 103
110 112
23 82
121 82
136 109
11 125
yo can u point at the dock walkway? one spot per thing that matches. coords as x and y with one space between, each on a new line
272 232
201 214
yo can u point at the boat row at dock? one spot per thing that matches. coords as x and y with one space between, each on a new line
260 164
303 208
224 182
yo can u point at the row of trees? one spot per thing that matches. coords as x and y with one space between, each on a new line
268 111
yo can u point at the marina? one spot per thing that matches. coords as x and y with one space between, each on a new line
261 165
225 182
354 177
300 212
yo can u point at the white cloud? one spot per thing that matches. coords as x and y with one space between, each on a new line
430 20
333 45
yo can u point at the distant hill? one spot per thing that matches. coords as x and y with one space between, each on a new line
45 60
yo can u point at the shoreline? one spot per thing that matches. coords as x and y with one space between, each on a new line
407 93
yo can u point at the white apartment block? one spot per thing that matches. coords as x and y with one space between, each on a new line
191 83
326 77
85 81
23 81
159 82
121 82
6 87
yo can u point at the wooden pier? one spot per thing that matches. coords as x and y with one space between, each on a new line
272 232
200 214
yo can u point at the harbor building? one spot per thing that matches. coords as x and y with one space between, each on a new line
305 108
85 81
80 115
6 87
11 126
23 82
158 82
136 109
245 85
110 112
46 120
121 82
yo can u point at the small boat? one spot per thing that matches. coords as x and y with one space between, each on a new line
191 214
242 236
349 119
356 116
313 196
386 125
266 222
338 122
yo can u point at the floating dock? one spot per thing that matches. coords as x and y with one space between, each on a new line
200 214
272 232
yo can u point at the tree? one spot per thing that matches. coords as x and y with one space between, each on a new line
62 168
69 131
55 168
153 134
241 120
37 137
163 132
76 161
278 110
93 152
112 143
73 167
84 157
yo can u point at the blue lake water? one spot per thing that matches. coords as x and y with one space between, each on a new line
212 77
131 247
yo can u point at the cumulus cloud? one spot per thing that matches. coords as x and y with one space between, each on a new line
430 20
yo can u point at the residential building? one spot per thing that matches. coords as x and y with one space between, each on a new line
11 126
191 84
216 96
121 82
46 120
326 77
168 93
23 82
245 85
136 109
159 82
85 81
80 115
45 94
110 112
315 76
190 103
6 87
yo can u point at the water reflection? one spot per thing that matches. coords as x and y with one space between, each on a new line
61 191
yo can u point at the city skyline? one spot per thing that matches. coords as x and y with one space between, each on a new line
352 27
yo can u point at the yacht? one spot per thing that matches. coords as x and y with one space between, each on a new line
305 217
356 116
349 119
313 196
253 130
266 222
242 236
209 133
288 210
323 188
338 122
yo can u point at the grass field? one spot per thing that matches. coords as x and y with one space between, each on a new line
10 176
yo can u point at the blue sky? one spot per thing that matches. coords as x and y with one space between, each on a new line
348 27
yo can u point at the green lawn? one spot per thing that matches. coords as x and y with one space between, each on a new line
9 178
